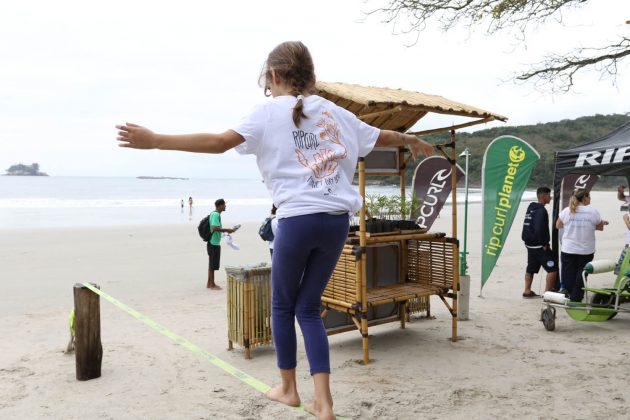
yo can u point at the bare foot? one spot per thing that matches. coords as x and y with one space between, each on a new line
291 399
214 287
319 411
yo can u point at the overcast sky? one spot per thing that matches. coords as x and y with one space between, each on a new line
71 70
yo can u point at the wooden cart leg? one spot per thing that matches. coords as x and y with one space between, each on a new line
230 346
402 312
454 328
364 334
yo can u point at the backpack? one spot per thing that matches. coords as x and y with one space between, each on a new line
265 232
204 229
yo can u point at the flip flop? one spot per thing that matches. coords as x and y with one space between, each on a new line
530 294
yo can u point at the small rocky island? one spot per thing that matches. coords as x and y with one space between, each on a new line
25 170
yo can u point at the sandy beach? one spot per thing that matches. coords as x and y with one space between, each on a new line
505 364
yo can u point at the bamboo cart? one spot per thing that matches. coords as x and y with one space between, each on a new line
420 264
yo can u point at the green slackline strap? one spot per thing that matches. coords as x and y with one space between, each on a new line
239 374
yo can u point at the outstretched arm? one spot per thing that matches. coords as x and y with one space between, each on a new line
137 137
394 138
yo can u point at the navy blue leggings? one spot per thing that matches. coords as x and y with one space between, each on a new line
305 252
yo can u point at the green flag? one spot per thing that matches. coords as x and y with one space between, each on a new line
507 164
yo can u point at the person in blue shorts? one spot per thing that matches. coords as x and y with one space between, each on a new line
536 237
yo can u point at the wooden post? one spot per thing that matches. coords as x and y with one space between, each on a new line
87 333
363 279
246 324
230 310
403 195
402 311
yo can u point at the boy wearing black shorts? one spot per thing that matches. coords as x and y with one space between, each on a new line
536 237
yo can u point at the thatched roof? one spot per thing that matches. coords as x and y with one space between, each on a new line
396 109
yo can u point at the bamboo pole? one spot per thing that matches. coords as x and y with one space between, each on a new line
402 310
404 260
256 335
87 333
403 196
398 237
359 266
455 248
247 310
246 329
337 302
454 127
267 303
362 243
346 328
380 113
241 313
230 305
350 311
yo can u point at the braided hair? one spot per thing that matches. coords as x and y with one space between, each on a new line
292 62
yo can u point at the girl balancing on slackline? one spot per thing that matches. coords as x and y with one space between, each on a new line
306 149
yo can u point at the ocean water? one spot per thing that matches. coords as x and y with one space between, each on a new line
34 202
44 202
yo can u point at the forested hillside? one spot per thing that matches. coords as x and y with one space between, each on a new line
545 138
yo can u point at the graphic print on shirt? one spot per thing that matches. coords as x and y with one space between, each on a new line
321 153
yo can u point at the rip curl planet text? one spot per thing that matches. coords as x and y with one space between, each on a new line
507 165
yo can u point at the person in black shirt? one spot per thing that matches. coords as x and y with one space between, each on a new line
536 237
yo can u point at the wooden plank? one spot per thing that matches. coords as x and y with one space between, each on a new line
87 333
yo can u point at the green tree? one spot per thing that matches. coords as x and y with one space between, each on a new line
545 138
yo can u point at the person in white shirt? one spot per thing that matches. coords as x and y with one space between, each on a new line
306 148
579 221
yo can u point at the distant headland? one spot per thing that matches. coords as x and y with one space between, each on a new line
160 177
25 170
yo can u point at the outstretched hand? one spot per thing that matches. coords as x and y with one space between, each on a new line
422 147
137 137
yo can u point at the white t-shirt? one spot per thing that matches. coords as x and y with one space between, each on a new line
274 230
308 169
578 236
